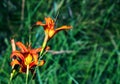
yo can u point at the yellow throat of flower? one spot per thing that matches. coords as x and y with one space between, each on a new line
50 32
28 59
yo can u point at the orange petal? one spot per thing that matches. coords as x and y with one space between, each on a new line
38 49
16 51
42 62
63 28
50 23
22 70
48 20
35 50
40 23
35 57
47 48
15 62
17 54
22 47
33 64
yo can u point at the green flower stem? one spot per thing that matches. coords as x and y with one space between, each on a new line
27 73
42 52
44 45
11 75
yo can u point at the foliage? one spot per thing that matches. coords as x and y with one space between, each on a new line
87 54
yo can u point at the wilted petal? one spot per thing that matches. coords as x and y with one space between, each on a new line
13 44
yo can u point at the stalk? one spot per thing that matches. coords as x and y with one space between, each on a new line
44 45
27 73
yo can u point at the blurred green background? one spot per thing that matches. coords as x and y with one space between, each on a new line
89 53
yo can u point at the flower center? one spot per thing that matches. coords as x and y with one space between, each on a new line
28 59
51 33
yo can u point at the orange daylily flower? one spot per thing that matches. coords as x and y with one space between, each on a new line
49 27
26 56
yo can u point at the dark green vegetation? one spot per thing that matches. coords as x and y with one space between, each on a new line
87 54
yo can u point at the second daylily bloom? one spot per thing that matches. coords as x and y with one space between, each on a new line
49 27
25 57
